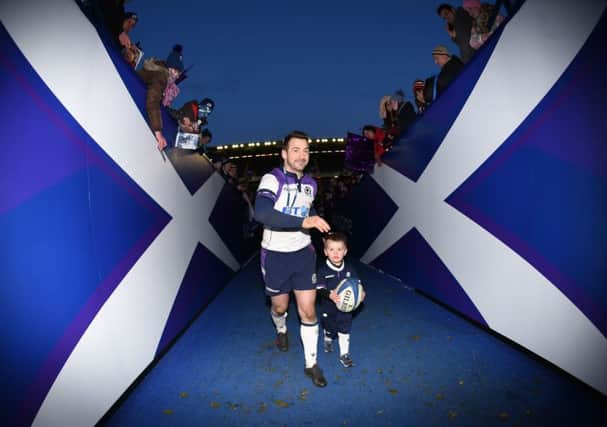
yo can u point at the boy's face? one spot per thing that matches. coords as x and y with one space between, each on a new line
335 251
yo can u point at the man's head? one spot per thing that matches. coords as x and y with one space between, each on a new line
447 12
205 136
335 247
229 168
369 132
473 7
129 21
441 56
296 152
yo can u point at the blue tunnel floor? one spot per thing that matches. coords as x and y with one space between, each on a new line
416 364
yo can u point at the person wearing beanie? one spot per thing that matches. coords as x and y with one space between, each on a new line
400 115
175 58
450 66
459 26
418 94
159 78
193 114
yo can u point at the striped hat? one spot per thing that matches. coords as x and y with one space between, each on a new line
440 50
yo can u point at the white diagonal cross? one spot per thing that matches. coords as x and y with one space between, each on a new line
513 297
65 50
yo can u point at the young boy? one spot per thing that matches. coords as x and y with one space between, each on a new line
335 323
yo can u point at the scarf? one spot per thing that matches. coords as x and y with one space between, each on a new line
171 92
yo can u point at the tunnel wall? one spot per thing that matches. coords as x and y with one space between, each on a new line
494 201
109 248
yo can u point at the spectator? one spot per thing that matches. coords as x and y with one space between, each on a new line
129 21
400 115
113 14
229 171
481 14
158 77
450 67
383 107
192 115
418 92
205 138
131 52
377 135
459 27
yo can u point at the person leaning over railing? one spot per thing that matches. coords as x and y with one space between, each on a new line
159 76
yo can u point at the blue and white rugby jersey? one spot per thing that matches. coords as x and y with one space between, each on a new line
291 196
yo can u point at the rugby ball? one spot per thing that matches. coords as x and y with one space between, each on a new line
350 292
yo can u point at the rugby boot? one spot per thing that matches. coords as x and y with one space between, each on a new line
282 341
316 374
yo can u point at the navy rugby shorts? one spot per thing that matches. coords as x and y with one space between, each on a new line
286 271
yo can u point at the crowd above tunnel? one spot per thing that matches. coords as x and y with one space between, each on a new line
469 26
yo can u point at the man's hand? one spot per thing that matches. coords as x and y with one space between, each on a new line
316 222
162 143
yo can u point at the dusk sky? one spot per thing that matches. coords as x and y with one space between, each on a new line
273 66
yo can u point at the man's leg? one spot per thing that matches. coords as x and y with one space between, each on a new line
309 334
280 305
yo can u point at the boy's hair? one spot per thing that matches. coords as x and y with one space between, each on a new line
336 236
294 134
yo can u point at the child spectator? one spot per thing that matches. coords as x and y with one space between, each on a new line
336 324
159 77
192 115
377 135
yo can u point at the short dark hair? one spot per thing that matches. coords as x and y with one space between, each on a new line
294 134
443 7
336 236
369 128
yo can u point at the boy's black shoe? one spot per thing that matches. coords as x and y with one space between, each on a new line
316 374
346 360
282 341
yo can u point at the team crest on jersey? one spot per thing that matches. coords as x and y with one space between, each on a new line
307 190
314 278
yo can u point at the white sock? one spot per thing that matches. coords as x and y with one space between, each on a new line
279 321
309 338
344 343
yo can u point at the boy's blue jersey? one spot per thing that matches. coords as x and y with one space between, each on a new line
328 275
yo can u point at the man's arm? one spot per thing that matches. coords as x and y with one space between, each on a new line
267 215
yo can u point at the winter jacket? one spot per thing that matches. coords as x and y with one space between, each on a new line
155 75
